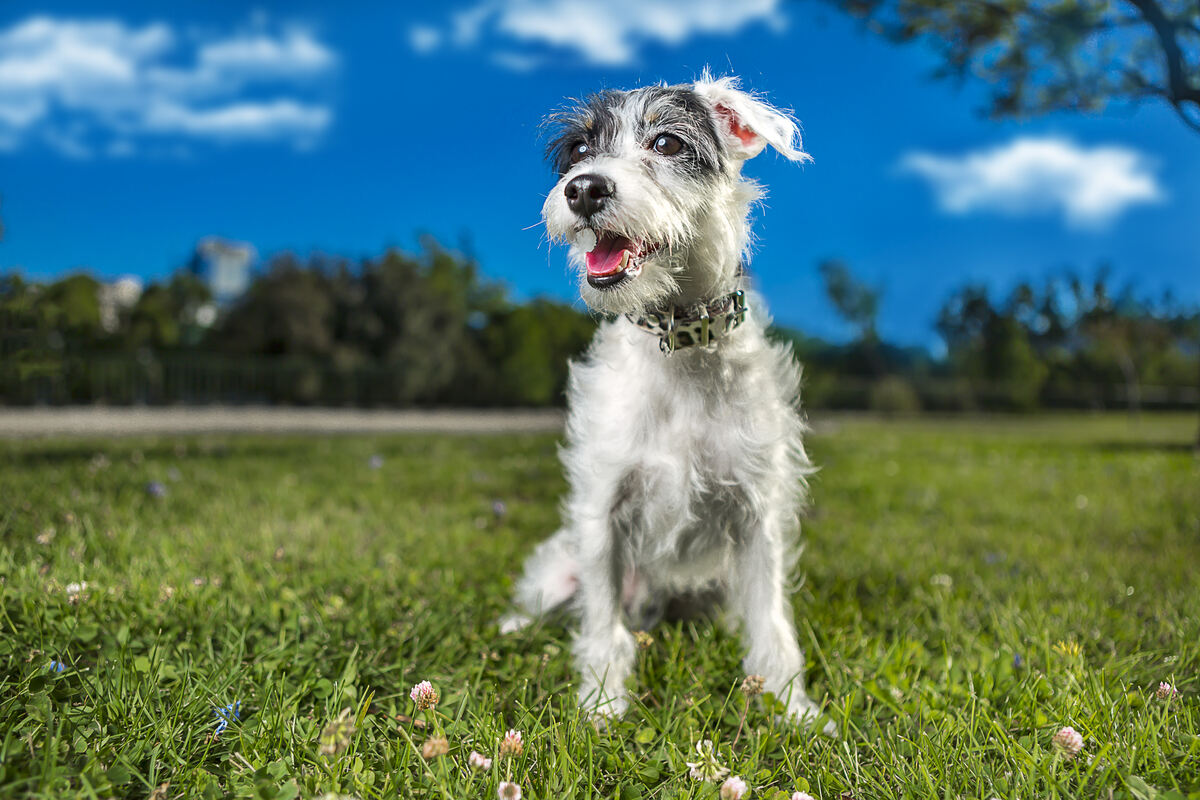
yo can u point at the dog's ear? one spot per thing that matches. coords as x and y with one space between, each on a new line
747 123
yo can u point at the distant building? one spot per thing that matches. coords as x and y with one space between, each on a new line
224 265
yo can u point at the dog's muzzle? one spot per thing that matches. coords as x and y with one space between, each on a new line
611 258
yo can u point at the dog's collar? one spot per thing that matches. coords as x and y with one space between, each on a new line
703 323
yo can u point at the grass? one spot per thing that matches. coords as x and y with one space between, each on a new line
969 588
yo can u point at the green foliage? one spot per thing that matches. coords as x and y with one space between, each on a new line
164 316
394 330
425 329
428 329
1037 343
288 574
857 302
991 347
71 308
528 347
1037 57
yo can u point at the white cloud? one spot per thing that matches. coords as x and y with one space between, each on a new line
610 33
241 120
291 54
424 38
1089 186
84 86
517 62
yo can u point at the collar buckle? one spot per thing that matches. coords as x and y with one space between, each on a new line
667 342
703 323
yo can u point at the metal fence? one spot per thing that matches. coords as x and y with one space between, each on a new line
209 380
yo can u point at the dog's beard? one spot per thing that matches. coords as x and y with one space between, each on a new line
655 246
649 275
649 283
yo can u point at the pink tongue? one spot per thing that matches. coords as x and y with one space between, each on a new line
605 258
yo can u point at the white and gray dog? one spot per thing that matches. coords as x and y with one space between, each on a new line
684 451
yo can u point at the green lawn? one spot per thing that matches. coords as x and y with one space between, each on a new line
969 587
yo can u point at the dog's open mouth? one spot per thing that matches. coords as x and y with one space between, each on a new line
612 258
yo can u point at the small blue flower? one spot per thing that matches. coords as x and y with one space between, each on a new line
227 714
156 489
375 461
56 666
1018 662
499 508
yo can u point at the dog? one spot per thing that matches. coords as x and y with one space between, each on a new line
684 449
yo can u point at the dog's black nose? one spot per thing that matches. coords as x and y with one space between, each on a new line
587 194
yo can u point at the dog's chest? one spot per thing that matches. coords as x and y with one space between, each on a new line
692 452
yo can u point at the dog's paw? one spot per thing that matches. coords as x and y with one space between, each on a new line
511 623
804 712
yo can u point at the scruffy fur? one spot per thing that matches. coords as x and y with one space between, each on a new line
686 471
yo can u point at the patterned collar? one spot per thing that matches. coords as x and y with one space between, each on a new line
701 323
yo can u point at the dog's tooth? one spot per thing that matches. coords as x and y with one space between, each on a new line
624 259
586 240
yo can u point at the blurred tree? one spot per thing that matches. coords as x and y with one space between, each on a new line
169 315
415 320
69 309
1075 55
1074 334
427 328
858 304
18 317
528 349
288 311
1123 333
990 346
1058 55
288 314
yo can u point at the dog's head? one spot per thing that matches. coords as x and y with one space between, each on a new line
650 195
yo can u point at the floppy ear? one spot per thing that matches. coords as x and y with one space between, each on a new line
747 123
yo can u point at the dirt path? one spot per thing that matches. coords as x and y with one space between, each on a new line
90 421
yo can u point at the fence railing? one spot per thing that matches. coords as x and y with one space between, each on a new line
178 379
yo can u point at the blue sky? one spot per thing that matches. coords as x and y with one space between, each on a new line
130 130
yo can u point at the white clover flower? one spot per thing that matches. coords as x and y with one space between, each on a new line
707 768
77 591
424 695
479 761
507 790
512 744
1069 742
434 747
733 788
753 685
1165 691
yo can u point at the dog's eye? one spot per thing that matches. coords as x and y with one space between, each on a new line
579 152
667 145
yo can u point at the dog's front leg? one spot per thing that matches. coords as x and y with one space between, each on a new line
757 596
604 648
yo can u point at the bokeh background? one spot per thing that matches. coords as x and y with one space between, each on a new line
293 203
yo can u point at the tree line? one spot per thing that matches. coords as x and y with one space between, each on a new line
1069 341
429 329
400 329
